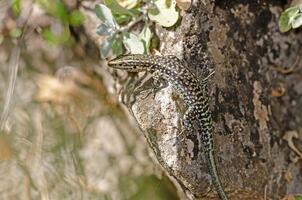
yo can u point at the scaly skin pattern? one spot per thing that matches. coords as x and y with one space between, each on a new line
193 92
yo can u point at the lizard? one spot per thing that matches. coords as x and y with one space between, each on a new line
193 92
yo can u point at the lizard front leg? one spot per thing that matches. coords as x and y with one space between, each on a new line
158 84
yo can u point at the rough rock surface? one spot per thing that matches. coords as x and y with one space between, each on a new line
255 97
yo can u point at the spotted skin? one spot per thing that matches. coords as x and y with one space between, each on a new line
192 91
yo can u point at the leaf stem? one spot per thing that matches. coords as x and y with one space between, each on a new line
131 24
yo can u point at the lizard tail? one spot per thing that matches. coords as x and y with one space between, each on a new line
214 175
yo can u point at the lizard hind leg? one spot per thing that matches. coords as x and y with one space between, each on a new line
188 126
189 121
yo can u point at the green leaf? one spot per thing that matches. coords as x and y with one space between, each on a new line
61 11
106 47
49 36
297 22
298 197
115 7
120 19
128 3
133 43
76 18
287 17
105 30
15 33
145 36
1 38
151 187
15 6
165 13
49 6
104 13
117 46
56 39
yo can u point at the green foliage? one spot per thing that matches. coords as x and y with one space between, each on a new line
15 6
106 46
1 38
133 43
57 10
67 18
61 12
15 33
291 18
118 22
164 13
298 197
105 15
150 188
117 8
76 18
55 39
145 36
117 46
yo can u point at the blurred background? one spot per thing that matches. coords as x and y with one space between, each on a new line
63 133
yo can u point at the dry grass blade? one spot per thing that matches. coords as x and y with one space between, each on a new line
13 70
4 5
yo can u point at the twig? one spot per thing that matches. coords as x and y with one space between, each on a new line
13 71
131 24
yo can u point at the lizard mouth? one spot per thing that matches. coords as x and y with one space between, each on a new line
125 62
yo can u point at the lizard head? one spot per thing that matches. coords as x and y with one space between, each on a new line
131 62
